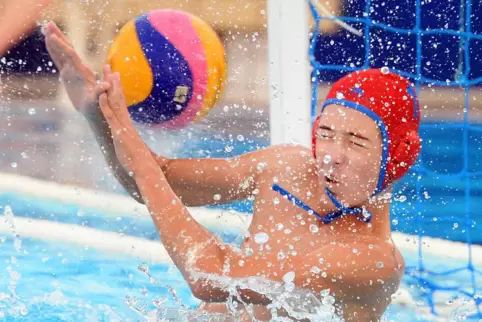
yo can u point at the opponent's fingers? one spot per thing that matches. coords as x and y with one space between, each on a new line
60 52
100 88
53 55
105 108
106 71
51 28
117 92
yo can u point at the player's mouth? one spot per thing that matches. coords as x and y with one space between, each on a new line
331 180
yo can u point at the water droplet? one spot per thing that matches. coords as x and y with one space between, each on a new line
425 194
217 197
279 226
385 70
131 174
355 250
456 225
240 138
261 238
370 246
32 111
315 270
395 222
13 164
314 228
241 263
379 264
24 155
275 200
281 255
248 251
260 167
289 277
289 287
328 300
327 159
402 199
340 95
228 148
24 311
325 292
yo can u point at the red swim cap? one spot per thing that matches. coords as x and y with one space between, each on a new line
391 101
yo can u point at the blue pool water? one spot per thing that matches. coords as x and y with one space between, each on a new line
60 282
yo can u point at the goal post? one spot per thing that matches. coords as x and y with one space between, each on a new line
289 72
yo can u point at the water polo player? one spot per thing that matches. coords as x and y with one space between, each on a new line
318 224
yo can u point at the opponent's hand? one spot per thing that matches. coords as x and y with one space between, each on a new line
78 79
130 149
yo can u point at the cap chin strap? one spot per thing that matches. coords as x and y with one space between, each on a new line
361 213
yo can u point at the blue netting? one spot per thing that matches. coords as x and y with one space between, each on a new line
434 44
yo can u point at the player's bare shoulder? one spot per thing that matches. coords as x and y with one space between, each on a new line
293 157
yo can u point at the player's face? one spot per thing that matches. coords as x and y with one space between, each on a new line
349 152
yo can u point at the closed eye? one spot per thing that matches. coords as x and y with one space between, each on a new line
358 144
324 132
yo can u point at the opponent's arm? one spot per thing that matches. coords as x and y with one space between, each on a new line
103 136
197 181
17 18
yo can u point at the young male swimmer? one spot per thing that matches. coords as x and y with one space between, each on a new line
323 210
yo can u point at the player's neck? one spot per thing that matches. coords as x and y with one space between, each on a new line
379 225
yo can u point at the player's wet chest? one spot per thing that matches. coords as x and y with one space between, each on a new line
280 225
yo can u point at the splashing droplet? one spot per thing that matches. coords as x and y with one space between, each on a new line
327 159
289 277
314 228
385 70
328 300
261 238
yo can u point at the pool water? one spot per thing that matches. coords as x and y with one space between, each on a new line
75 283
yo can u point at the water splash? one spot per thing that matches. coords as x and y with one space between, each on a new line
9 219
297 303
